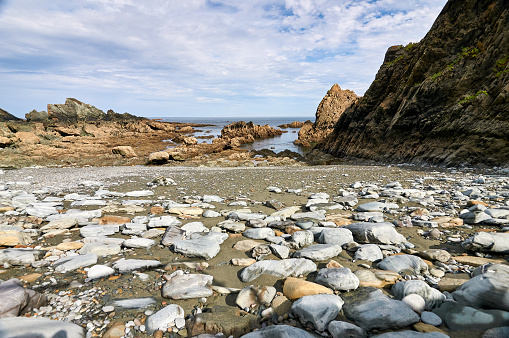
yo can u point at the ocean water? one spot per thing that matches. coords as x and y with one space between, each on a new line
276 144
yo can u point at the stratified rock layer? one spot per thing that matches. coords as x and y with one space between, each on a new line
443 100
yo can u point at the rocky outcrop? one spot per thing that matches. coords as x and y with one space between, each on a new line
443 100
327 114
5 116
241 132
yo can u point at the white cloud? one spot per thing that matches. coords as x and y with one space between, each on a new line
198 54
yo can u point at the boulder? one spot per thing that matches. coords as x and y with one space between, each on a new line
124 151
339 279
404 265
369 252
377 233
488 241
279 331
128 265
39 327
337 236
486 291
458 317
293 267
20 256
17 300
432 297
317 311
295 288
202 248
185 286
164 318
71 263
318 252
339 329
255 296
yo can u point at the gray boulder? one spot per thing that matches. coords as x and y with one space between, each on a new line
318 252
487 291
364 305
292 267
258 233
458 317
488 241
404 265
411 334
376 206
163 222
97 230
128 265
341 279
317 311
303 238
17 300
255 296
378 233
339 329
432 297
71 263
201 248
184 286
171 235
368 252
279 331
338 236
164 318
15 327
20 256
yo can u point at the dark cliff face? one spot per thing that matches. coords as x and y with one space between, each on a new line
5 116
444 100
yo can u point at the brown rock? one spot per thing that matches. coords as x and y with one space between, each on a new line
190 141
117 330
31 277
70 246
471 203
295 288
5 142
422 327
282 305
228 320
241 132
450 284
246 245
158 157
114 220
13 237
125 151
156 210
333 264
186 211
436 255
27 137
243 261
5 209
448 222
477 261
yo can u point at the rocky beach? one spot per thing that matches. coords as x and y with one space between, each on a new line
328 251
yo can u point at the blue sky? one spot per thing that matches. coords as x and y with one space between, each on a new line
164 58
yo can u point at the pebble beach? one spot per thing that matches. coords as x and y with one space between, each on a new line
323 251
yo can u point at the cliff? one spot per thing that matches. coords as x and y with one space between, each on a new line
5 116
444 100
327 114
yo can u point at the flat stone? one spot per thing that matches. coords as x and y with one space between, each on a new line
137 229
139 243
376 206
258 233
232 226
99 271
488 241
478 261
404 265
487 291
295 288
172 234
318 252
100 249
63 223
211 214
70 246
431 318
39 327
244 216
243 261
458 317
139 193
97 230
411 334
339 279
293 267
164 222
71 263
377 233
344 329
369 252
317 310
337 236
279 331
436 255
12 236
246 245
200 248
255 296
134 303
280 251
162 319
20 256
185 286
318 215
127 265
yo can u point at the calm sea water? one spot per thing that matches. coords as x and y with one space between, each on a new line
276 144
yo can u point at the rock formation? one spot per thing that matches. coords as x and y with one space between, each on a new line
444 100
240 132
327 114
5 116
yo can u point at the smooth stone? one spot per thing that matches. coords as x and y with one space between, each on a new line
108 308
212 198
13 236
246 245
134 303
258 233
376 206
100 249
126 265
185 286
211 214
97 230
340 329
139 193
70 246
317 310
99 271
318 252
232 226
337 236
404 265
17 300
200 248
435 255
139 243
42 209
172 235
377 233
163 222
363 305
137 229
303 238
416 302
280 251
244 216
279 331
63 223
293 267
295 288
497 332
255 296
339 279
431 318
193 227
488 241
39 327
286 212
20 256
162 319
318 215
432 297
71 263
243 261
487 291
491 267
458 317
305 224
78 214
367 216
411 334
257 223
368 252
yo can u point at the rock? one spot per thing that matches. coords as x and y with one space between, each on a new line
376 206
97 230
281 305
318 252
158 157
255 296
172 235
100 249
279 331
258 233
339 329
486 291
128 265
12 236
450 284
162 319
415 302
378 233
224 320
185 286
435 255
124 151
303 238
477 261
99 271
317 215
341 279
372 217
317 310
337 236
488 241
411 334
432 297
63 223
134 303
71 263
363 305
293 267
232 226
404 265
497 332
369 252
187 211
16 300
43 209
244 216
295 288
246 245
116 330
376 278
431 318
458 317
164 222
490 267
136 229
280 251
39 327
20 256
138 243
201 248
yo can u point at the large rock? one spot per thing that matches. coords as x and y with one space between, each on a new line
279 331
369 252
488 241
17 300
248 132
12 236
164 318
255 296
340 279
20 256
292 267
184 286
487 291
295 288
318 252
364 305
404 265
339 329
378 233
128 265
39 327
411 334
338 236
202 248
317 311
432 297
71 263
458 317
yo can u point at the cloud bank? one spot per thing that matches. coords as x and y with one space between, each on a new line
198 57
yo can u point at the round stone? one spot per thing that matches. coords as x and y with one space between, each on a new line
108 308
437 273
431 318
416 302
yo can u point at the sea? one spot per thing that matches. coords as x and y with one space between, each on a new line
276 144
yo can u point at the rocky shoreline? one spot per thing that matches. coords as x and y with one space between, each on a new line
327 251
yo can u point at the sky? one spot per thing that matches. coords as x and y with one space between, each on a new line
198 58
